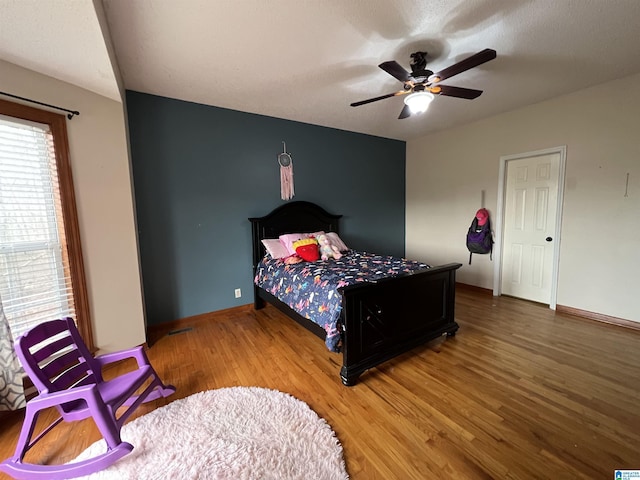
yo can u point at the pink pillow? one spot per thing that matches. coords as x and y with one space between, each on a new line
275 248
288 238
337 241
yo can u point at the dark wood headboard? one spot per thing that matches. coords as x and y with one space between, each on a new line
291 217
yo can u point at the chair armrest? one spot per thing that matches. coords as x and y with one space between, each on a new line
136 352
51 399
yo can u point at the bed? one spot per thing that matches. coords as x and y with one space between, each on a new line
379 319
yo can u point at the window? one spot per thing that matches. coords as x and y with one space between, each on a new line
41 267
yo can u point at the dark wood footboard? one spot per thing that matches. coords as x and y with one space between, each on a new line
384 319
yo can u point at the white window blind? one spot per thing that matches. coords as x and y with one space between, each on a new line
35 283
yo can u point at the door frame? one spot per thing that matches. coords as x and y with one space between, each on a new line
499 230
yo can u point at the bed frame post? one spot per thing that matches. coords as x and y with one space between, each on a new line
257 248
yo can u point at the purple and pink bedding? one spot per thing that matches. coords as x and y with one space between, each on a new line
311 288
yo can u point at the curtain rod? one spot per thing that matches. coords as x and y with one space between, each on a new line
70 113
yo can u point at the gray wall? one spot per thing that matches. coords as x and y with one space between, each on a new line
598 272
200 172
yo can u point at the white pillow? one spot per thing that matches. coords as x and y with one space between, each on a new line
275 248
337 241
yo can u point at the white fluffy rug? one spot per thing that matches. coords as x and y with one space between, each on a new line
231 433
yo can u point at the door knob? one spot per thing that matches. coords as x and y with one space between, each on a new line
548 239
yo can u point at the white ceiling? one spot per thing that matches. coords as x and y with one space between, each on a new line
307 60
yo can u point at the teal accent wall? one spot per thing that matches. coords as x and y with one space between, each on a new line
200 172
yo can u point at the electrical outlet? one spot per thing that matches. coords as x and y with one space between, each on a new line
238 293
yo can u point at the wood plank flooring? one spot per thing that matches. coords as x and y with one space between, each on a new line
520 392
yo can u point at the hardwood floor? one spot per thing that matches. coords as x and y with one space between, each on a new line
519 393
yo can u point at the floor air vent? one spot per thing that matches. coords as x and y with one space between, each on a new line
181 330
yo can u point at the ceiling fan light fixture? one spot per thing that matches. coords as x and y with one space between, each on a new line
418 102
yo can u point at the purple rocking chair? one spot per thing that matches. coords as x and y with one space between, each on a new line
69 378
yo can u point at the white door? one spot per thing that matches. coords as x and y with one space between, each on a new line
530 227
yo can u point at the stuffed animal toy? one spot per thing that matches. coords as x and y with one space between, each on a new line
307 249
327 249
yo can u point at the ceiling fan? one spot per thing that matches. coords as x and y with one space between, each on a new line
421 84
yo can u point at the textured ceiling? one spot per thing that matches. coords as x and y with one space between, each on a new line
61 39
307 60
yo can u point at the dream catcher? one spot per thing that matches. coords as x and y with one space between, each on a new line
286 174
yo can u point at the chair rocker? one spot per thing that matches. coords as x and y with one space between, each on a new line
70 379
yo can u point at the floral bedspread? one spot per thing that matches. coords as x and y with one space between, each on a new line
310 288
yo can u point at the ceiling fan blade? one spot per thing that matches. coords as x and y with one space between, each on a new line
382 97
396 70
406 112
459 92
464 65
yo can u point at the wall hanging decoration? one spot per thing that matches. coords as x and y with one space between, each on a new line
286 174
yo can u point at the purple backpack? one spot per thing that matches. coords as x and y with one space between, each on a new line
479 238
